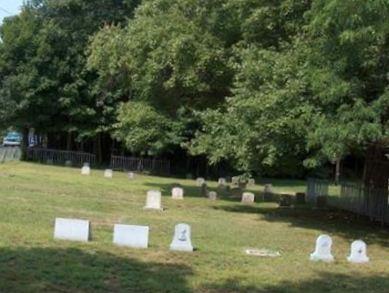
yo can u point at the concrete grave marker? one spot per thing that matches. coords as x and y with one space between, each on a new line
85 170
153 201
131 236
251 182
358 252
248 197
200 181
235 180
182 238
268 192
108 173
222 182
323 249
212 195
131 175
177 193
72 229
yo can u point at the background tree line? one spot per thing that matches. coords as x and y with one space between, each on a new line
270 87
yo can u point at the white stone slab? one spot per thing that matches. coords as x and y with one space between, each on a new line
108 173
200 181
177 193
212 195
182 238
131 236
235 180
323 249
85 170
248 197
72 229
153 200
358 252
251 182
222 182
131 175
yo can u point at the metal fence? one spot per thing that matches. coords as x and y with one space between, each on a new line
156 166
59 157
10 154
354 197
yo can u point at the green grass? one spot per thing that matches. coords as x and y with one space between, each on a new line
31 196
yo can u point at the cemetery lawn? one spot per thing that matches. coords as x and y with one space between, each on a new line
32 196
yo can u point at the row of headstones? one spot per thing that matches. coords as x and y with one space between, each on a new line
323 251
124 235
223 181
108 173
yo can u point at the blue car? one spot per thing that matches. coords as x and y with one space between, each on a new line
12 139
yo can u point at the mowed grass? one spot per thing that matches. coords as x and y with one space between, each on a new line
32 196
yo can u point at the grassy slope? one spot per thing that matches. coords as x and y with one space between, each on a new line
31 196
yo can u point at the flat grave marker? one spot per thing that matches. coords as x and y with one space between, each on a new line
131 236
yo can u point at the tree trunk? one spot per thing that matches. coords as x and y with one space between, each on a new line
337 171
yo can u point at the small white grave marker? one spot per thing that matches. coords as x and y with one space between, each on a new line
212 195
85 170
182 238
323 249
131 175
72 229
153 200
358 252
251 182
248 197
235 180
222 182
177 193
131 236
200 181
108 173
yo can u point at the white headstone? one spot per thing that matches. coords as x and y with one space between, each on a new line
85 170
131 236
108 173
200 181
235 180
222 181
212 195
153 200
358 252
251 182
177 193
131 175
72 229
248 197
323 249
182 238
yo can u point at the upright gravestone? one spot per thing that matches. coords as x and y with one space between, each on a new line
251 182
131 236
212 195
248 197
72 229
222 182
204 190
182 238
235 180
200 181
268 192
358 252
153 201
131 175
323 249
177 193
108 173
85 170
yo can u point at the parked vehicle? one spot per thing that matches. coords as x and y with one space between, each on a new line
12 139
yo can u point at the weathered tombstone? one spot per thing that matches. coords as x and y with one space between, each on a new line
68 163
204 190
323 249
131 175
182 238
358 252
248 197
235 180
236 192
251 182
108 173
72 229
200 181
212 195
300 198
177 193
222 182
131 236
268 192
285 200
153 201
85 170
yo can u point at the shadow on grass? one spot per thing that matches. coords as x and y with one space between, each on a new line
325 282
331 221
75 270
